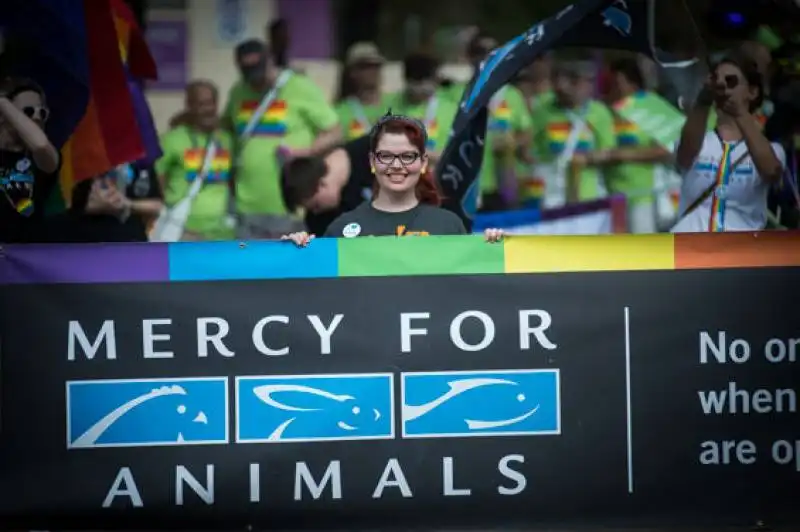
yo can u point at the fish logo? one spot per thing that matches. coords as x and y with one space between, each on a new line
147 412
488 403
305 408
619 18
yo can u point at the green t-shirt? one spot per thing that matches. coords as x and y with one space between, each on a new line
182 160
295 117
508 116
357 119
635 180
552 128
439 127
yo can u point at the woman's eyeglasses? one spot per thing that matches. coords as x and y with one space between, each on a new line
36 112
387 158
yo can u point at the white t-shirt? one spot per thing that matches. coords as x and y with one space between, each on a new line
744 199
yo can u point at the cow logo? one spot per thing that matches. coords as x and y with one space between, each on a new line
147 412
617 17
488 403
306 408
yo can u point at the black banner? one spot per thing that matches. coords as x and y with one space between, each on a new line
486 400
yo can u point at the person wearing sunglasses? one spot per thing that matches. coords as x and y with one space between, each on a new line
406 200
28 161
727 173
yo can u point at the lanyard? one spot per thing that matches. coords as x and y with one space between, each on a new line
719 199
359 113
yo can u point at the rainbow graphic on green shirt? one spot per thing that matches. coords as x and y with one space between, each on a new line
272 123
501 118
220 166
433 131
355 130
626 132
558 133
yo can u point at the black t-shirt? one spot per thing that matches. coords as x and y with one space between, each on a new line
357 189
140 182
422 220
23 192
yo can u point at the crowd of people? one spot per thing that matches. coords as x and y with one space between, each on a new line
278 160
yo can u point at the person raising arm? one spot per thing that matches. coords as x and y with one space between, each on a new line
727 178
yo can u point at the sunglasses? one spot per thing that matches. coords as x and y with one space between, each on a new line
731 81
36 112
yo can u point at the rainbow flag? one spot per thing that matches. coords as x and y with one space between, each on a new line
558 133
109 133
220 165
716 222
272 123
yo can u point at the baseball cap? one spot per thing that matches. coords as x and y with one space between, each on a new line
364 53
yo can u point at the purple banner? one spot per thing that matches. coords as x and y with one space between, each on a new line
168 41
310 26
90 263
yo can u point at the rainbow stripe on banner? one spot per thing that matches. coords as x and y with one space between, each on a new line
220 165
716 222
391 256
272 124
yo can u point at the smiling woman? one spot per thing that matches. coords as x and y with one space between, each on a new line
406 200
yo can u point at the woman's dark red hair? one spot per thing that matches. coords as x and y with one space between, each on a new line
427 191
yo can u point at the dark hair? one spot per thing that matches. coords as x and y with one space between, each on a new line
420 66
750 72
12 87
628 67
347 86
300 179
250 46
427 190
202 84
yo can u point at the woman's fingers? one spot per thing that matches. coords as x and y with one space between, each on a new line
300 239
493 235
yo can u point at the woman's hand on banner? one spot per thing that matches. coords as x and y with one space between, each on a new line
493 235
301 239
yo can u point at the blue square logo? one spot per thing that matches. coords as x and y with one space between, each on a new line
307 408
147 412
480 403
